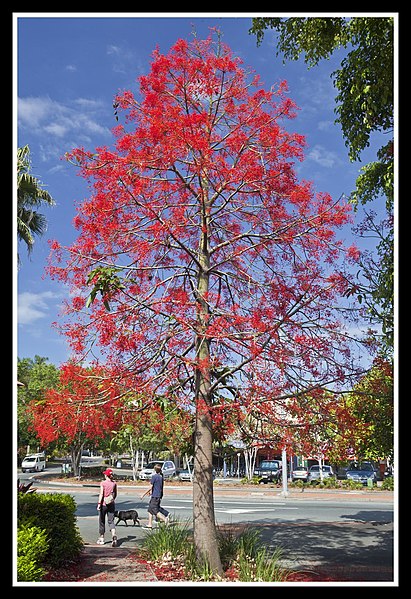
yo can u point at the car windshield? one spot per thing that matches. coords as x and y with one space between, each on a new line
29 459
150 465
317 468
271 465
362 466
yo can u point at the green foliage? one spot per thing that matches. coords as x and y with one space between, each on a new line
351 484
239 550
264 567
30 196
252 481
365 82
298 484
372 403
364 105
376 178
105 282
32 546
388 484
55 514
171 540
327 483
37 376
316 37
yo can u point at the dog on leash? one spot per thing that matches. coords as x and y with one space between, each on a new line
124 515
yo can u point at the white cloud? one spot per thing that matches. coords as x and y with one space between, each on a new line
60 127
124 61
326 126
323 157
34 306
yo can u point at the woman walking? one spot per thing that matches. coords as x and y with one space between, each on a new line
106 506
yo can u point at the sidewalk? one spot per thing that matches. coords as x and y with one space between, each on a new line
105 564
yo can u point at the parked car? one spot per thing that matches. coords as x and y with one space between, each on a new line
389 471
362 472
300 473
314 473
168 468
185 475
268 471
34 463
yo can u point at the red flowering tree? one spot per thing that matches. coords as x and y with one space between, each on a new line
74 411
204 271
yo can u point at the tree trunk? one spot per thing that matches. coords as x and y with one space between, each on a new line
250 456
205 533
76 451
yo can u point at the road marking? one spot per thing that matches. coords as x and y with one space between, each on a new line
250 510
222 502
236 510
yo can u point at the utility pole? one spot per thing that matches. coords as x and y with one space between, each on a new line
284 473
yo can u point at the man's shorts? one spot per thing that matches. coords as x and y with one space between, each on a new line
154 505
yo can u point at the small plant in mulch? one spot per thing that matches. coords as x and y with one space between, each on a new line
170 552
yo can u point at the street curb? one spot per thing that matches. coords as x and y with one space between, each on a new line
237 488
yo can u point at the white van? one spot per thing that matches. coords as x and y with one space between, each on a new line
35 462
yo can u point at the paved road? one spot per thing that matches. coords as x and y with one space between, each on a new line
350 534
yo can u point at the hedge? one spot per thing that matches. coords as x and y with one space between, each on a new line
53 513
32 544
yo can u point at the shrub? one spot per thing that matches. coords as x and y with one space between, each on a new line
351 484
171 540
264 567
388 484
298 484
32 546
55 514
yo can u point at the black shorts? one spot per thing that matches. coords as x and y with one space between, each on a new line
154 505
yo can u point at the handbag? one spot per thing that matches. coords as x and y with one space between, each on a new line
109 499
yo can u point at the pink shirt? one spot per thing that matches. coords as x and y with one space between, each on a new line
109 487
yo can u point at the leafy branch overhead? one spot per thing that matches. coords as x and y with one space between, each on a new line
364 106
105 282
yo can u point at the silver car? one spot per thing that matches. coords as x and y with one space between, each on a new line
168 468
185 475
314 473
300 473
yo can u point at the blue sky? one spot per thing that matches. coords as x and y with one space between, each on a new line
67 70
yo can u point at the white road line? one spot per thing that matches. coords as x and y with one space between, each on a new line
222 502
236 510
251 510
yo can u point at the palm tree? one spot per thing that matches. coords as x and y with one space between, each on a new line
30 196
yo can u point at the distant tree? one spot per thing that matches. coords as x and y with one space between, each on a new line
365 105
37 377
372 403
30 197
163 428
73 412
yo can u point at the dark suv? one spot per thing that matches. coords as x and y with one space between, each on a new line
361 472
269 471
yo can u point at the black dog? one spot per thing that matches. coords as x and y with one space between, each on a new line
124 515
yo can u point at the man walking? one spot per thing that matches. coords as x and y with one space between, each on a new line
156 492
